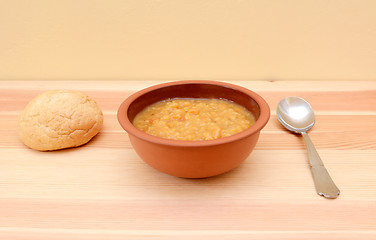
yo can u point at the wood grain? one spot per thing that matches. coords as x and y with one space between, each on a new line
104 191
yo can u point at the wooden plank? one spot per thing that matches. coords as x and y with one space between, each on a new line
328 133
120 174
185 215
16 100
99 234
135 85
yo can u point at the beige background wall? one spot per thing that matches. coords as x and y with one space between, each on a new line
191 39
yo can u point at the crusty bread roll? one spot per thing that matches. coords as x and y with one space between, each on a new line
59 119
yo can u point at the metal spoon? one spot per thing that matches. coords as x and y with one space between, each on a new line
296 115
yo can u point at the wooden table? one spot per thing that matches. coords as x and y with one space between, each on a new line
104 191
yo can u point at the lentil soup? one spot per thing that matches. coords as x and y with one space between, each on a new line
193 119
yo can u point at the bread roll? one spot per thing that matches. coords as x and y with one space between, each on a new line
59 119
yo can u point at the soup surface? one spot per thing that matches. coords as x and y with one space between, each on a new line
193 119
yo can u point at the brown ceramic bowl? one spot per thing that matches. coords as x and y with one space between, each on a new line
194 159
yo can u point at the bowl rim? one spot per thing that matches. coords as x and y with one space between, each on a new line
127 125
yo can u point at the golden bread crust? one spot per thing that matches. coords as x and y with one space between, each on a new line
59 119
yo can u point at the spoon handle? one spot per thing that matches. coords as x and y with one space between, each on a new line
323 182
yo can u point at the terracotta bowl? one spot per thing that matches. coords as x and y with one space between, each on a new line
194 159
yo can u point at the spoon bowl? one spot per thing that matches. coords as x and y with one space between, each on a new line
297 115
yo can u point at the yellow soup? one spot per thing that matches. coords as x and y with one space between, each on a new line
193 119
